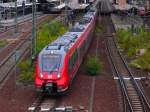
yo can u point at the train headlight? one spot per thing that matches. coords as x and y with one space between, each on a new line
41 75
58 75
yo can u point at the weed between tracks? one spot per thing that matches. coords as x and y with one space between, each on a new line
98 29
27 70
93 65
45 35
2 43
136 46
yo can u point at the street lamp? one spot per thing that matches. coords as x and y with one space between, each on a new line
66 12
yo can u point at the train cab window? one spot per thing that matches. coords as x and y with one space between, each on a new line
51 62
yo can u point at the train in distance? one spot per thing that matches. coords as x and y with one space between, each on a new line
56 6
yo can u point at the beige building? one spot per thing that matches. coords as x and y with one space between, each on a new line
122 4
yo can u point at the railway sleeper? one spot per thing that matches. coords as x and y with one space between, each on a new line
133 96
128 78
136 101
138 109
131 89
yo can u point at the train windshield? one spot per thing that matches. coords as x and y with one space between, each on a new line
51 62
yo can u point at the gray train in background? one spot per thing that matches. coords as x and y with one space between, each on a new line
54 6
8 9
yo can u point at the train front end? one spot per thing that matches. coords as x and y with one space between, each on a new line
51 76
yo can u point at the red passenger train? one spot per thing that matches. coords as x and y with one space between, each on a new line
58 63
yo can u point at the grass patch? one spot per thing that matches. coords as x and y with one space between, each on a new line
131 43
93 65
48 33
142 62
27 72
45 35
98 29
3 43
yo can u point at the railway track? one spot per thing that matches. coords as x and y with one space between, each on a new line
11 25
49 104
14 52
43 103
134 99
23 26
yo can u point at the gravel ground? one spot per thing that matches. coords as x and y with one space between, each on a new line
15 98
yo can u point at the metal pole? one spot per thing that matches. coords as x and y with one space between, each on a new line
66 4
16 21
33 30
23 5
15 56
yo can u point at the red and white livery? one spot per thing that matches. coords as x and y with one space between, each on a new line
58 63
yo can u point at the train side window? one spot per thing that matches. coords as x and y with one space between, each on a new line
79 53
69 66
72 61
82 49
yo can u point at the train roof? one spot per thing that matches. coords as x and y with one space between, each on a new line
66 41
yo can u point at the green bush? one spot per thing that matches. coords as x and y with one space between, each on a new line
2 43
131 43
48 33
26 71
142 62
26 77
93 65
98 29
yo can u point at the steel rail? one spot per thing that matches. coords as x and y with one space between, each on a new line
20 23
39 102
9 62
12 59
121 81
138 88
142 97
